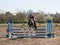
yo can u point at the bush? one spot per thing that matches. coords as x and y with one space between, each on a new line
51 33
40 21
20 22
1 21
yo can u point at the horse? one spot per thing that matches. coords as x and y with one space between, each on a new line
32 23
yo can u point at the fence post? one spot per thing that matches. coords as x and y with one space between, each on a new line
10 27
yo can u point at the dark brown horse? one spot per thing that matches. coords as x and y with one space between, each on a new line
32 23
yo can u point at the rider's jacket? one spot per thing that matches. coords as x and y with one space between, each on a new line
32 17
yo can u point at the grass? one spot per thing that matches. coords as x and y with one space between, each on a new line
56 27
23 25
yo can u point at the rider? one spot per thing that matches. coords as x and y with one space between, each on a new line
32 17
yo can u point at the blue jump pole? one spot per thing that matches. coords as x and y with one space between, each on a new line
10 27
49 26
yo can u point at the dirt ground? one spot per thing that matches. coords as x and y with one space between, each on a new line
30 41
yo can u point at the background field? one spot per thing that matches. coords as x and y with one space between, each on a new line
29 41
